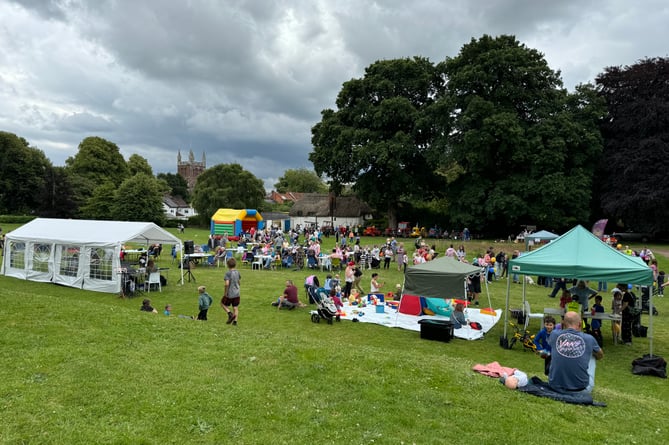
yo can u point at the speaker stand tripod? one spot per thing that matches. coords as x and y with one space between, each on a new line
186 268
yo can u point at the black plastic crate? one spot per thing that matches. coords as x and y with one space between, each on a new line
440 330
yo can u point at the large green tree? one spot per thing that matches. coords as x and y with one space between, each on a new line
100 205
227 186
379 139
300 180
97 161
177 184
522 149
22 175
636 153
139 198
139 164
58 199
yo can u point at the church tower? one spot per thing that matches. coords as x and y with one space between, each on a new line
191 169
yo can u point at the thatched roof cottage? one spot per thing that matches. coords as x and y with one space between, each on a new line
315 208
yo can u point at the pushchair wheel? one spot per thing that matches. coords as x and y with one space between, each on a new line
315 318
338 318
329 320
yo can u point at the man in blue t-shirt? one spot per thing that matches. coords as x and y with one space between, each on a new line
573 357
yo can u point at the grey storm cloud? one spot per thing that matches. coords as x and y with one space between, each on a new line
244 81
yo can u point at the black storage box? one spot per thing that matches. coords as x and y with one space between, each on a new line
440 330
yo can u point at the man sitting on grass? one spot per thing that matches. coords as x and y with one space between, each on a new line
289 299
573 355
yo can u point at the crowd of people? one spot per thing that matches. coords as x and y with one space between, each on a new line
569 346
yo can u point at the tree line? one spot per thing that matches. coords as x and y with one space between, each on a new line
491 140
98 183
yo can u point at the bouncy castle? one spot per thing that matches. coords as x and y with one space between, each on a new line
233 222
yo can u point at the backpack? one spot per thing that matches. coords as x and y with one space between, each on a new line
357 272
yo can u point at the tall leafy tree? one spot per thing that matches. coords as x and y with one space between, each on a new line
378 139
522 148
177 184
22 172
227 186
129 205
300 180
636 152
58 197
102 203
97 161
139 164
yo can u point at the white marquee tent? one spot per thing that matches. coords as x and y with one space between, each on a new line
77 253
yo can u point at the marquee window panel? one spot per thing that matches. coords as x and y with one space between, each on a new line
69 260
17 254
41 255
101 263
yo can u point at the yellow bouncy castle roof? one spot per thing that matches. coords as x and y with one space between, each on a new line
227 215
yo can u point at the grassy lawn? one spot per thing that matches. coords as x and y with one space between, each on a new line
82 367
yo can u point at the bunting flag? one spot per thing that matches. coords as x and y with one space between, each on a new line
598 227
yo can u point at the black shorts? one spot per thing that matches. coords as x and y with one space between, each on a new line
475 285
234 302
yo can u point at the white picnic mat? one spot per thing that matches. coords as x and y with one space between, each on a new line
392 319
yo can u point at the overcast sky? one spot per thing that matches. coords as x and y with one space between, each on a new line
245 80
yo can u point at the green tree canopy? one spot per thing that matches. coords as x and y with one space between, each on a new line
139 198
138 164
636 153
97 161
177 184
22 175
522 149
300 180
379 138
227 186
58 200
101 203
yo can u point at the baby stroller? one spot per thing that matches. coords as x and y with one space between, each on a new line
325 308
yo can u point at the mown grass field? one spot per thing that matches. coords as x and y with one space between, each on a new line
82 367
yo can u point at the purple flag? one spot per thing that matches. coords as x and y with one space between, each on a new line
598 227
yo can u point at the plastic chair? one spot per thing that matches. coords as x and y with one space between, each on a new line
257 263
246 258
529 314
154 278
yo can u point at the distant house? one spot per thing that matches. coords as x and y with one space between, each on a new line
281 198
176 208
319 209
279 220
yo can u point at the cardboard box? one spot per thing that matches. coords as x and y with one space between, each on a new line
440 330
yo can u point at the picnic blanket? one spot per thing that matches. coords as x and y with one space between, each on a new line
536 386
394 319
539 388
